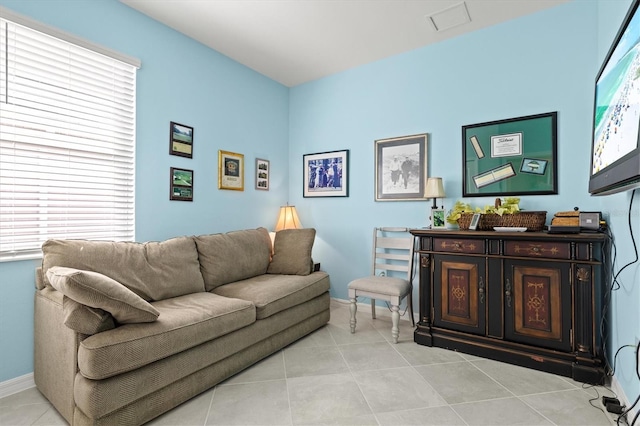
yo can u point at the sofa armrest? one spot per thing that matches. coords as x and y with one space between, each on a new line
55 351
40 278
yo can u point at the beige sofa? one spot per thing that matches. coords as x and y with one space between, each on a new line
127 331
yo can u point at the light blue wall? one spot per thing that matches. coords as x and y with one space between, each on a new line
229 106
508 70
535 64
539 63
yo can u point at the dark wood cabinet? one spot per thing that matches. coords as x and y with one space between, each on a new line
527 298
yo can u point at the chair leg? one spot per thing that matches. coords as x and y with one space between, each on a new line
373 308
353 309
395 319
410 303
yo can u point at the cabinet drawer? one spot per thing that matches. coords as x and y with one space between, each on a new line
553 250
452 245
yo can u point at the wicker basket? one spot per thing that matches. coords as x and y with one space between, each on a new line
533 221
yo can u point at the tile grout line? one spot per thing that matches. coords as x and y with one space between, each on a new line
354 378
286 383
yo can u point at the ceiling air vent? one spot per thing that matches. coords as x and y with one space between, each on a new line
450 17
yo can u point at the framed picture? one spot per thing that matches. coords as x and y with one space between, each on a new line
517 156
230 170
534 165
262 174
475 219
181 140
438 219
326 174
181 184
401 168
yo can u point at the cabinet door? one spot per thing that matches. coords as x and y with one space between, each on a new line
459 287
538 304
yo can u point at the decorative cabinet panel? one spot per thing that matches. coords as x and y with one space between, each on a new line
538 304
531 298
460 302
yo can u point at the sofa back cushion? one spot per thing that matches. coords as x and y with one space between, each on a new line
233 256
153 270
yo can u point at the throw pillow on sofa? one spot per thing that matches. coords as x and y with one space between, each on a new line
99 291
292 252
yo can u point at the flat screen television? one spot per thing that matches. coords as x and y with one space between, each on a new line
615 149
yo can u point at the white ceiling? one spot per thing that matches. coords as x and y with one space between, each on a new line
295 41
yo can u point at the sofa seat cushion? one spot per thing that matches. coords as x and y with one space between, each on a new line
234 256
99 398
274 293
153 270
184 322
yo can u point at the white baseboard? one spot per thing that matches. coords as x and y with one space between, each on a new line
381 311
18 384
617 389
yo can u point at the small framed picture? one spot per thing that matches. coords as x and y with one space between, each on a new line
474 221
326 174
438 219
181 184
534 166
262 174
230 170
181 140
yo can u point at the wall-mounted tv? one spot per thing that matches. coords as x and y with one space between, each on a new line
615 150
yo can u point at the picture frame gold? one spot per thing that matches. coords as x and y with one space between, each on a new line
230 170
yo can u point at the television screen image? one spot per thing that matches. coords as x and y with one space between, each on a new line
615 154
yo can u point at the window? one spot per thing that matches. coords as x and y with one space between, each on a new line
67 141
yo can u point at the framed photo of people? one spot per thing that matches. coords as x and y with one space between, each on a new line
326 174
263 171
517 156
401 168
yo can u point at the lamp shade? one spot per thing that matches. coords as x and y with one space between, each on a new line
435 188
288 218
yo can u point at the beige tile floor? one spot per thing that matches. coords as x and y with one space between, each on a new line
333 377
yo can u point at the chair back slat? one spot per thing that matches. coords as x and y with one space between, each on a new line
392 256
397 243
393 251
392 267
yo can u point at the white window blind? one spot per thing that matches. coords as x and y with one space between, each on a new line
67 143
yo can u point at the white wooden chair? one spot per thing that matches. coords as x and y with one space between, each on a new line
391 276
